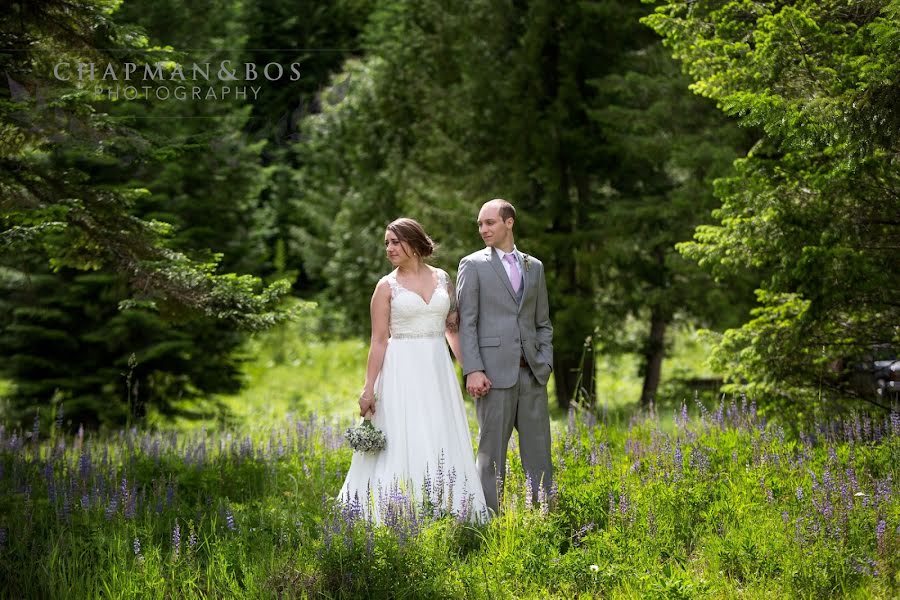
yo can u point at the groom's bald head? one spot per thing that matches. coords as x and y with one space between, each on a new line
506 210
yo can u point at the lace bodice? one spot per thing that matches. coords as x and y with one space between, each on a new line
411 316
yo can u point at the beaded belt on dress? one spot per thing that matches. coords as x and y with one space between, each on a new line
416 336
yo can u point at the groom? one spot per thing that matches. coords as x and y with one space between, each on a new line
506 342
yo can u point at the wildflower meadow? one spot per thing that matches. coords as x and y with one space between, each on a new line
723 504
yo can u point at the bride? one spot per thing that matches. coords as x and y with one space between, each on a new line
411 391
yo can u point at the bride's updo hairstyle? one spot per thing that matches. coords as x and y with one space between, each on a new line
410 231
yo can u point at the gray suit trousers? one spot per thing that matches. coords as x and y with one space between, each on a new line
523 407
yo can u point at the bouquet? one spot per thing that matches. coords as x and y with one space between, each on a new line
365 437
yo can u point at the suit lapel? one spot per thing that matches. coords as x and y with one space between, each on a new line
526 280
495 261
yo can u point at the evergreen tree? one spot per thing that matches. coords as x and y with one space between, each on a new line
73 199
528 113
815 205
670 146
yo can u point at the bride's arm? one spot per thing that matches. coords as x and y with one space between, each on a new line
452 331
380 308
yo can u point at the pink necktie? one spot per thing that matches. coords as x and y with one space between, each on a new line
515 275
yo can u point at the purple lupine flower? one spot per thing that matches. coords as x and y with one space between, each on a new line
895 422
427 491
733 412
704 413
130 505
111 508
699 459
879 535
2 537
465 503
679 461
623 504
529 488
543 499
84 465
176 540
439 479
852 480
229 519
785 517
845 495
451 485
798 531
137 551
370 531
51 491
192 539
66 507
826 508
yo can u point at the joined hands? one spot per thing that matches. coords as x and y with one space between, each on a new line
478 384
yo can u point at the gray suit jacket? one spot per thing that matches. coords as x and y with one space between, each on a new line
496 329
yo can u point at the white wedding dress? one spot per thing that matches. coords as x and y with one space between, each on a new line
428 459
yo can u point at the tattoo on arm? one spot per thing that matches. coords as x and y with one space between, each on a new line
451 291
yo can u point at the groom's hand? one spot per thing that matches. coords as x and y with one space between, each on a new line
478 384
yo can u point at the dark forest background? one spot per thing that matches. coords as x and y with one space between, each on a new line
730 165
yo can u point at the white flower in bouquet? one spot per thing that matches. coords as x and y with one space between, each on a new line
365 437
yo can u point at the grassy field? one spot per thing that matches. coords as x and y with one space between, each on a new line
711 502
723 506
295 372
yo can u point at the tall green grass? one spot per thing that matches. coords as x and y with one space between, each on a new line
707 503
295 371
722 506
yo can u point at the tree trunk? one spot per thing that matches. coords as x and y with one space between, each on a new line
654 352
